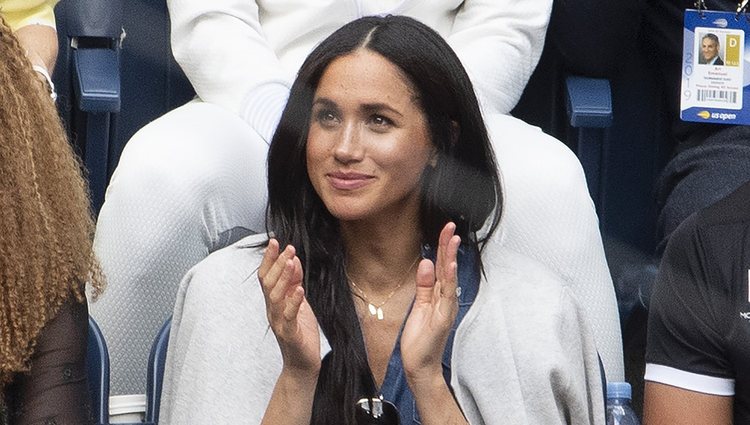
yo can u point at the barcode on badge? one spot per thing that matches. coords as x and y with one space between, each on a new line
717 96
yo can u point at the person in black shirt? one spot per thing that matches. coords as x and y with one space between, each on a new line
697 368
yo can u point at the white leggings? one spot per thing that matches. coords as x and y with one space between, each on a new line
194 181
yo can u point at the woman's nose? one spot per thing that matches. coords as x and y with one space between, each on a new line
349 144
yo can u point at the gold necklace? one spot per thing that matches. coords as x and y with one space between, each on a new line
376 310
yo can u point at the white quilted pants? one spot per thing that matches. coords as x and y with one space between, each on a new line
187 184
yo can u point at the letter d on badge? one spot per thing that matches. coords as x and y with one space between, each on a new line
732 57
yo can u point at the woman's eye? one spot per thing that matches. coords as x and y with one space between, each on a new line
326 117
380 122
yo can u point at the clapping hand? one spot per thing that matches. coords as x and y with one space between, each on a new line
290 316
435 307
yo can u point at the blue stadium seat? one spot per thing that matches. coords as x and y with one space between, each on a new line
97 367
156 362
87 77
589 107
115 73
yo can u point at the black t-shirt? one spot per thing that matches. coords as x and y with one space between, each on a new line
699 319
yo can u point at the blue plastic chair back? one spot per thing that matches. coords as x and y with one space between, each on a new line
155 377
87 78
97 366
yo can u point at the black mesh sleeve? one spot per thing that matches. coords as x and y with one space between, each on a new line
55 389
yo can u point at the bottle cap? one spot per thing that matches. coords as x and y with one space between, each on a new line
618 390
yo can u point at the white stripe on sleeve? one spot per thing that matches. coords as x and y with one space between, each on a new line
688 380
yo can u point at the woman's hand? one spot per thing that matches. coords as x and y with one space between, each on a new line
291 318
435 306
426 333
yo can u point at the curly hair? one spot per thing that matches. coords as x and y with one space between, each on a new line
46 227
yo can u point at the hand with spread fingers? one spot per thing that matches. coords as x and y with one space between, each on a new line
435 307
290 316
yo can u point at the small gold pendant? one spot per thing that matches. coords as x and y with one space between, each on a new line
375 311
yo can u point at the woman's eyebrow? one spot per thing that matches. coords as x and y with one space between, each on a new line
376 107
324 101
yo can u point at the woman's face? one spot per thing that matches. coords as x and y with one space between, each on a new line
368 142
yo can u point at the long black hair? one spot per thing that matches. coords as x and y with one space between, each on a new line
463 187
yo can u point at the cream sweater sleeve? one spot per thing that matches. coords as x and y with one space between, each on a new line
524 353
221 47
499 43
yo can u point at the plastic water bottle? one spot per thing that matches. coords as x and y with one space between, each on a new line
619 411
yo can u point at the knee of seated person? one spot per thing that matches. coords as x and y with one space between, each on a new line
196 131
528 150
558 161
152 175
540 162
175 153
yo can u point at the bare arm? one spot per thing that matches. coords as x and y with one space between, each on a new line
33 23
665 404
292 399
40 43
435 402
296 330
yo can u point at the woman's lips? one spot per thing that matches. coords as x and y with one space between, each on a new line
348 180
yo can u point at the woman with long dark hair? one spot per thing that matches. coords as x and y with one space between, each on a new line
379 286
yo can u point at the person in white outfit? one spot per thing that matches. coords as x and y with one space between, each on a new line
193 181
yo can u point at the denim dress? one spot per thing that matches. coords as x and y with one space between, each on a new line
395 388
